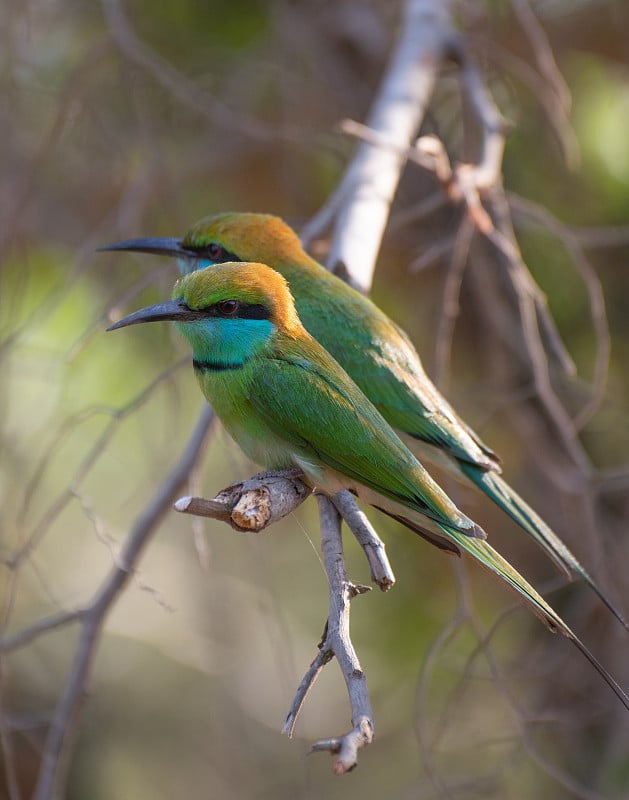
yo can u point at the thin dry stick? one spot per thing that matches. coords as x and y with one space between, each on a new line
539 88
520 718
6 748
64 722
418 211
450 306
526 290
88 462
557 96
182 88
337 641
427 748
46 625
602 236
367 538
432 255
543 53
595 297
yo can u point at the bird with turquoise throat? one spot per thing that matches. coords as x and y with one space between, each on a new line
288 403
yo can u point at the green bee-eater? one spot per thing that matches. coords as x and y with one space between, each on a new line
371 348
288 403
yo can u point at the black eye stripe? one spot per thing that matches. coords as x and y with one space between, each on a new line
213 251
241 311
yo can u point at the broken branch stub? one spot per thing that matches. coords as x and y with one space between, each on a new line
251 506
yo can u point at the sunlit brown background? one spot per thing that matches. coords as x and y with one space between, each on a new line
120 121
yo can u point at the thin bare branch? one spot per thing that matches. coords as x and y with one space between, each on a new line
602 237
432 255
545 95
89 460
366 536
66 715
418 211
557 96
594 291
338 641
323 657
450 305
186 91
543 53
46 625
487 171
526 291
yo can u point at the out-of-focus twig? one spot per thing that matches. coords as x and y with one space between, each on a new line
93 617
527 297
181 87
596 299
557 99
450 305
26 635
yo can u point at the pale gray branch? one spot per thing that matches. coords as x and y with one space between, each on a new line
322 658
27 635
367 538
371 179
337 640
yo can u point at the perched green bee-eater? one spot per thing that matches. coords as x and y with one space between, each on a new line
371 348
288 403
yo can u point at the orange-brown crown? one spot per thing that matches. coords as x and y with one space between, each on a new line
249 283
248 237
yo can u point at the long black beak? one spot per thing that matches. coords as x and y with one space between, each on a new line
159 245
173 310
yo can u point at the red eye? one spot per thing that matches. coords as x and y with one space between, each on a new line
215 251
228 307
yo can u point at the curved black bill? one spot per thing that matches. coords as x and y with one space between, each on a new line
173 310
158 245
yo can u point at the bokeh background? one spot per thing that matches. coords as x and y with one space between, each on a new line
121 121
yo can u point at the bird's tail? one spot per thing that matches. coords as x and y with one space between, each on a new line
509 501
493 561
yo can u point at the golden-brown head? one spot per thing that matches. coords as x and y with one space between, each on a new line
240 291
233 236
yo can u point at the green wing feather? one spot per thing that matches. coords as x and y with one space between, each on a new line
308 401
